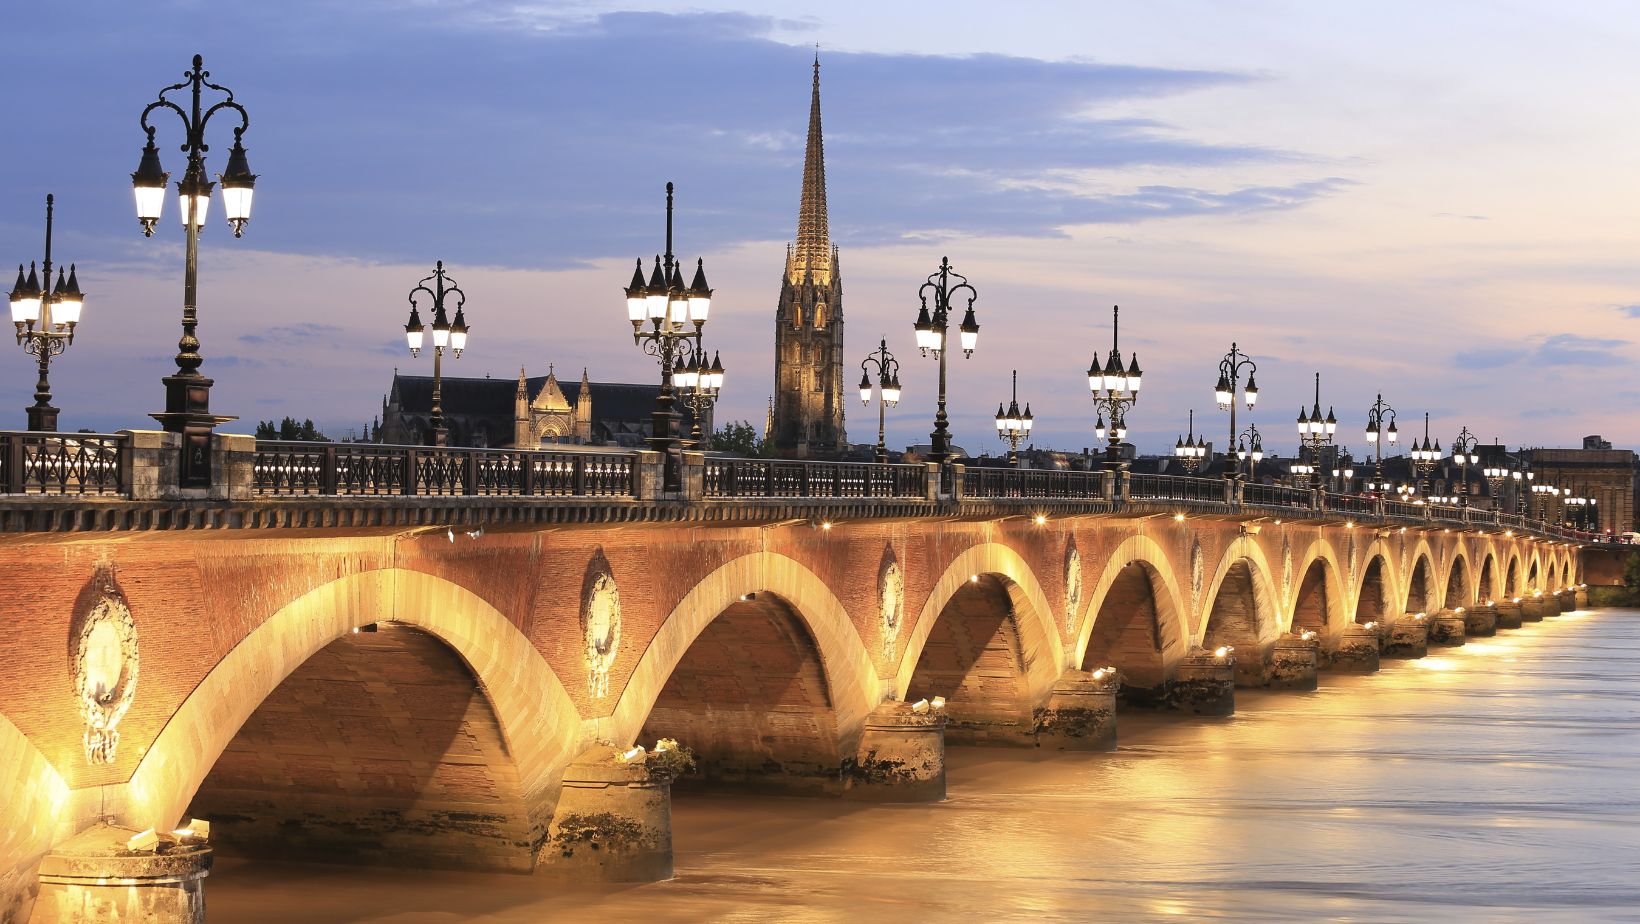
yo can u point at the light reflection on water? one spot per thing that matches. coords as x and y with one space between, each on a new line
1455 788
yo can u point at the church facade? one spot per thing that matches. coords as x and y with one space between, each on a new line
806 419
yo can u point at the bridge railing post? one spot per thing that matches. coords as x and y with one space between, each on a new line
958 479
411 466
14 480
1317 499
694 476
648 474
931 484
327 476
526 473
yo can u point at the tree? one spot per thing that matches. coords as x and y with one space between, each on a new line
738 438
289 429
1631 572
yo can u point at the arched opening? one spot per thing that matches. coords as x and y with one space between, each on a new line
1418 587
1484 589
381 748
1456 584
1127 635
1373 602
1312 608
1237 620
973 658
1565 574
750 696
1511 585
1532 577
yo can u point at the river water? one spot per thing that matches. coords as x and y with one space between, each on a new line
1494 782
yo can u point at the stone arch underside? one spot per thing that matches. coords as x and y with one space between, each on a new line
1316 603
502 699
1457 585
1372 604
1511 581
1420 594
1130 633
1486 588
382 749
751 697
1241 616
974 657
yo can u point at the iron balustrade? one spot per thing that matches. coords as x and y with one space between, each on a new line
774 478
1350 503
1405 511
1275 495
368 470
1177 487
62 463
1036 483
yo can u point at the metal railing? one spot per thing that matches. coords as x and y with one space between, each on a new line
1350 503
1276 495
368 470
1038 483
771 478
1177 487
62 463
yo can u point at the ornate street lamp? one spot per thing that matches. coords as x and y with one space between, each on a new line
1302 473
1424 455
888 383
1190 450
1378 415
1463 453
1230 369
1114 389
1315 433
1343 472
187 392
447 334
1496 475
1249 445
1522 477
45 316
676 314
932 328
698 382
1013 426
1547 494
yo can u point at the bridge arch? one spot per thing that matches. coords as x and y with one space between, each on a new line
1512 575
1459 588
994 571
538 723
1376 588
35 806
1135 618
851 684
1420 585
1534 580
1241 608
1319 602
1488 587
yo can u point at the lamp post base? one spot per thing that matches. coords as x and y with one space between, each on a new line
42 418
187 411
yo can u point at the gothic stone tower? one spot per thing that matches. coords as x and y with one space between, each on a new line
808 331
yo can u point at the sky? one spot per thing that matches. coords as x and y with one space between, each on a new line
1435 202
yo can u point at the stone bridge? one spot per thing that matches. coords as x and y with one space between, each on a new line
458 658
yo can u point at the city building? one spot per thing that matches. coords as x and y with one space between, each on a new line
1598 472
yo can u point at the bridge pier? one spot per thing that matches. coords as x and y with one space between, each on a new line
1080 714
1531 609
1447 627
1480 620
1580 597
1294 662
94 876
1510 615
1204 685
613 822
1356 653
901 756
1556 604
1408 638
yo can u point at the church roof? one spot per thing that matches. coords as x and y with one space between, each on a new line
812 251
472 404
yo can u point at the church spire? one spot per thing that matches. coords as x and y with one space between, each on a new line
813 250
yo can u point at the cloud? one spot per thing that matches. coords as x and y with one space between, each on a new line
293 334
1554 350
1490 358
1632 311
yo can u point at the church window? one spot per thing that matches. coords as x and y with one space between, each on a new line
820 316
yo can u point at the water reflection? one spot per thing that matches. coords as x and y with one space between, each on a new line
1450 788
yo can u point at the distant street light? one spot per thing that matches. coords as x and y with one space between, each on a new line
1463 453
888 385
1343 472
677 314
446 334
1191 449
1230 369
698 382
1249 445
1315 434
1014 426
1378 415
1425 456
187 392
45 316
932 328
1114 389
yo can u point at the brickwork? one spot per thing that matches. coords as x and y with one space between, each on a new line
1457 586
972 658
1312 607
1372 602
380 749
1419 589
1126 634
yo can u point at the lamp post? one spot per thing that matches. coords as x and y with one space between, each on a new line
888 381
1249 445
671 309
1343 472
1014 426
1114 389
446 335
1424 456
1378 415
932 328
1496 475
187 392
1191 449
1463 453
1230 368
698 382
1314 435
45 316
1522 478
